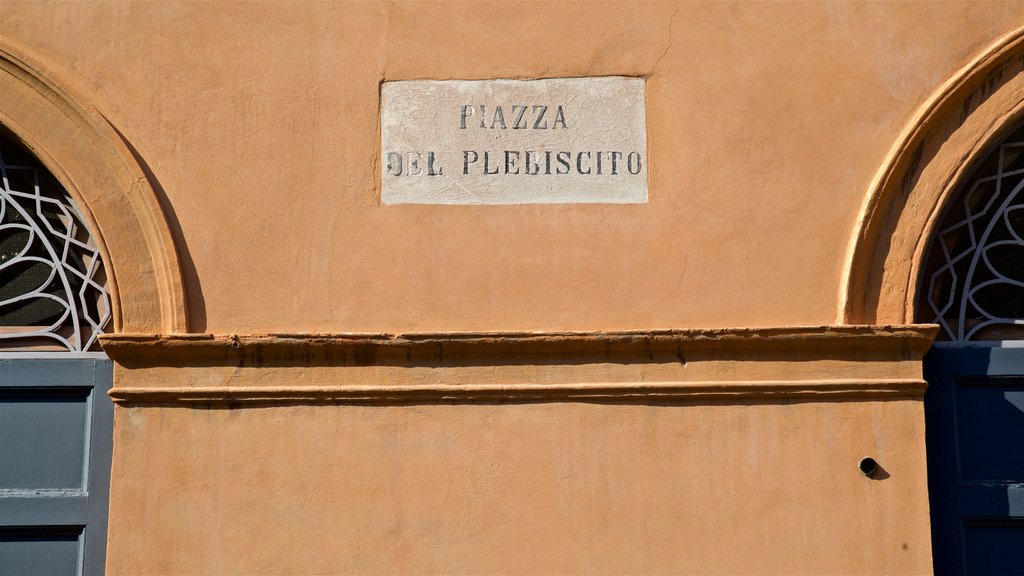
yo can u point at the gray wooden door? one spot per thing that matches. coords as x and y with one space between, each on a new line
974 413
56 430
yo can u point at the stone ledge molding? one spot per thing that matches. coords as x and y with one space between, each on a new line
93 162
649 391
168 348
811 363
933 153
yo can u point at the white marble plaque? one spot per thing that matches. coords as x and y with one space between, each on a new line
558 140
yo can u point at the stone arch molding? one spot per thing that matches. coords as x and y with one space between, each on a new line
122 209
933 154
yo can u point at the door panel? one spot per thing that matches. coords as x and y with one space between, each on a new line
989 415
40 551
974 411
45 434
994 547
56 430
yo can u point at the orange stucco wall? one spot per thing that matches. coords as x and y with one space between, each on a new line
258 126
549 488
766 124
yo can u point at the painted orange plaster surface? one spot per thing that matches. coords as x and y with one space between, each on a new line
528 489
699 452
259 124
259 120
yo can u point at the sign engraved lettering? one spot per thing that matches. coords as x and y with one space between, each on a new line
558 140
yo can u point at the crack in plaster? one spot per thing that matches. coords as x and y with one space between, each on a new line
671 25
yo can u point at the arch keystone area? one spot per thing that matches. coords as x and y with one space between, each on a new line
122 208
935 151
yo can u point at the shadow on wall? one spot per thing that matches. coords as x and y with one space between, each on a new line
193 287
454 351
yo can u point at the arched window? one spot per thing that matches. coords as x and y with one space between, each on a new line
973 284
52 282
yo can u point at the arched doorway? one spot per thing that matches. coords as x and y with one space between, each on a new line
122 275
56 420
917 255
972 285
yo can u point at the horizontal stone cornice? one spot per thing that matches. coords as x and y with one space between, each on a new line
804 363
364 348
644 391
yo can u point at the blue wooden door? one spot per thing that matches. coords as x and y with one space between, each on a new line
56 429
974 414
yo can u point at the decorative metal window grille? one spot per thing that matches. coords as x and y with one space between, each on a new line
52 282
973 284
